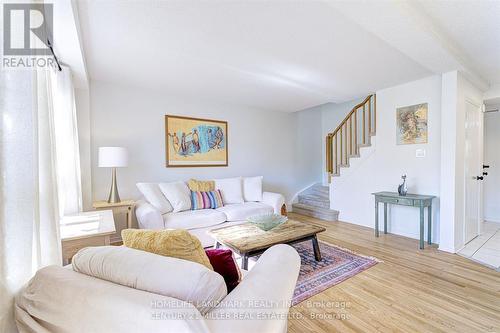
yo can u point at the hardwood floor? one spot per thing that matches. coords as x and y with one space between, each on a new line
412 290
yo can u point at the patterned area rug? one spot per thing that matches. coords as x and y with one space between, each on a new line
337 265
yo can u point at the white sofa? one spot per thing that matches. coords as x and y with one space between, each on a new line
150 216
72 300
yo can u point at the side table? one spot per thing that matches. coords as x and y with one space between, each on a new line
122 212
85 229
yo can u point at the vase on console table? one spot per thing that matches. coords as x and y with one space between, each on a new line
402 188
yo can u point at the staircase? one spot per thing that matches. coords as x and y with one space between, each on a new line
315 202
343 144
353 133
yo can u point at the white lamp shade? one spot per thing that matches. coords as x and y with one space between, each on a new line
113 157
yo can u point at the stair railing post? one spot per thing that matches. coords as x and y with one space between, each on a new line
356 132
336 153
369 117
364 125
327 154
330 152
330 169
350 135
341 146
346 142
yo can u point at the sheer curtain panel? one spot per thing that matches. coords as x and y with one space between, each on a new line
39 175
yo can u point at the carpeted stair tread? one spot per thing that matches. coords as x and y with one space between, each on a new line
315 211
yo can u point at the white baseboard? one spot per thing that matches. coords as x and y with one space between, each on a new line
447 249
296 195
494 220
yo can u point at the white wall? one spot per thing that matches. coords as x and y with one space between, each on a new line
283 147
82 102
449 101
381 169
332 114
309 154
492 158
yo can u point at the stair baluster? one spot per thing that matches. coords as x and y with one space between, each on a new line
356 148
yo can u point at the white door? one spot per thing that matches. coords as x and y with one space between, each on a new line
473 169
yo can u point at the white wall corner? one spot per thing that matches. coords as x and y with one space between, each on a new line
82 102
493 94
449 96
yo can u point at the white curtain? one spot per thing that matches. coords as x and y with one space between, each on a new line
39 175
66 141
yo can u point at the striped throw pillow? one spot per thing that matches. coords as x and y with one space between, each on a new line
206 200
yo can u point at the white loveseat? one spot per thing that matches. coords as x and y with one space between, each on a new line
154 211
115 292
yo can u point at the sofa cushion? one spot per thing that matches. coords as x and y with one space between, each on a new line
242 211
178 195
252 188
201 185
181 279
153 195
192 219
169 243
232 190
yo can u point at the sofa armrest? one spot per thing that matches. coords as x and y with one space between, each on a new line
61 300
261 301
148 217
274 200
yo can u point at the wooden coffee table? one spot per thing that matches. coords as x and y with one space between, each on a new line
248 240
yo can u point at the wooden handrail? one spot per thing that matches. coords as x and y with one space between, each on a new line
350 113
346 135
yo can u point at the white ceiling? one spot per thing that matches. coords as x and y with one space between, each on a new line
274 55
474 27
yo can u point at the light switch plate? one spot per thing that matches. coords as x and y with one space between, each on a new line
420 153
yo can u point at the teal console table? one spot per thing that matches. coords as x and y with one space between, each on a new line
414 200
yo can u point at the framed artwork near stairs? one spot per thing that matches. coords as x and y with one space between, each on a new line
412 124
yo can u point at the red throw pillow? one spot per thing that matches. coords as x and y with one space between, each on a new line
223 262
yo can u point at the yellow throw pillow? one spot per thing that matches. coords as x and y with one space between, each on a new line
201 186
176 243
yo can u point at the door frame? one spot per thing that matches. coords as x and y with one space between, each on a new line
481 154
480 212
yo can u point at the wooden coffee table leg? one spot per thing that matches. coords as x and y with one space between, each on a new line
244 261
317 252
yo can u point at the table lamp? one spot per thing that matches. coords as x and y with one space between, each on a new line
113 157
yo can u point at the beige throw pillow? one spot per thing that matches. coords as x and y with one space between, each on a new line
176 243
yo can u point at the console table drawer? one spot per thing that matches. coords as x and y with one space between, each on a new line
398 201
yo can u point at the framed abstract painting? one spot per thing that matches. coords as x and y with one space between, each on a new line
411 124
195 142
